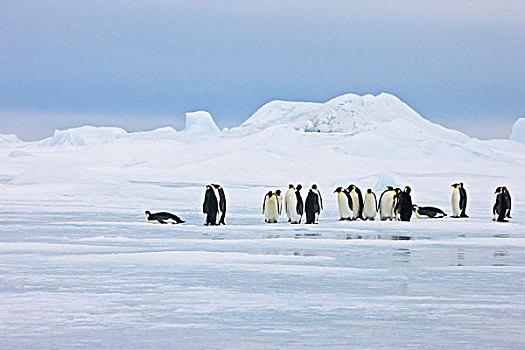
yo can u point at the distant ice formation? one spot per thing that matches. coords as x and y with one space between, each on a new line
518 131
85 135
200 122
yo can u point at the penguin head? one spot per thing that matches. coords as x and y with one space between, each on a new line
147 213
278 192
390 188
408 189
351 188
398 190
314 186
461 184
369 190
338 190
269 194
504 189
299 187
454 185
414 207
290 186
498 190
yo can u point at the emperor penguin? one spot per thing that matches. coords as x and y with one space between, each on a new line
345 203
428 212
296 206
210 207
357 202
313 205
501 205
222 202
369 205
403 207
163 218
287 208
279 201
386 204
270 208
459 201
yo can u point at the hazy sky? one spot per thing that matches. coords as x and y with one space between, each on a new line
142 64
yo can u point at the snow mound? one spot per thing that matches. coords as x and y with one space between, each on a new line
348 113
60 173
85 135
20 154
278 112
379 126
9 139
518 131
200 122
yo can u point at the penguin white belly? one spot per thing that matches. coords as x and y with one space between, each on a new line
292 207
355 205
369 207
456 210
344 208
386 207
153 221
287 197
271 210
419 216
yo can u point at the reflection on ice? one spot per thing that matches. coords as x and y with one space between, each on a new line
374 236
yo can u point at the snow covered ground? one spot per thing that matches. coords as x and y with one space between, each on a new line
81 268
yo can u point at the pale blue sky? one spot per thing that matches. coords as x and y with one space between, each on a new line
143 64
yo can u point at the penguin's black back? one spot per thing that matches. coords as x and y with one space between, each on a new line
210 207
300 205
430 211
404 205
311 206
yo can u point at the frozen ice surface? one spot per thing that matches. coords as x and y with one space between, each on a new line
81 268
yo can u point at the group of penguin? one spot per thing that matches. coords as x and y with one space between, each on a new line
394 204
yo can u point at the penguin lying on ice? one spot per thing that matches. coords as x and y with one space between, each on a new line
428 212
163 218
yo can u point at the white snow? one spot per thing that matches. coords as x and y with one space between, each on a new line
81 268
200 122
518 131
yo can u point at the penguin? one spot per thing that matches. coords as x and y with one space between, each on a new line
313 205
222 203
270 208
279 201
459 201
163 218
345 203
210 207
428 212
369 205
296 206
287 208
387 204
501 205
509 201
357 202
403 207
